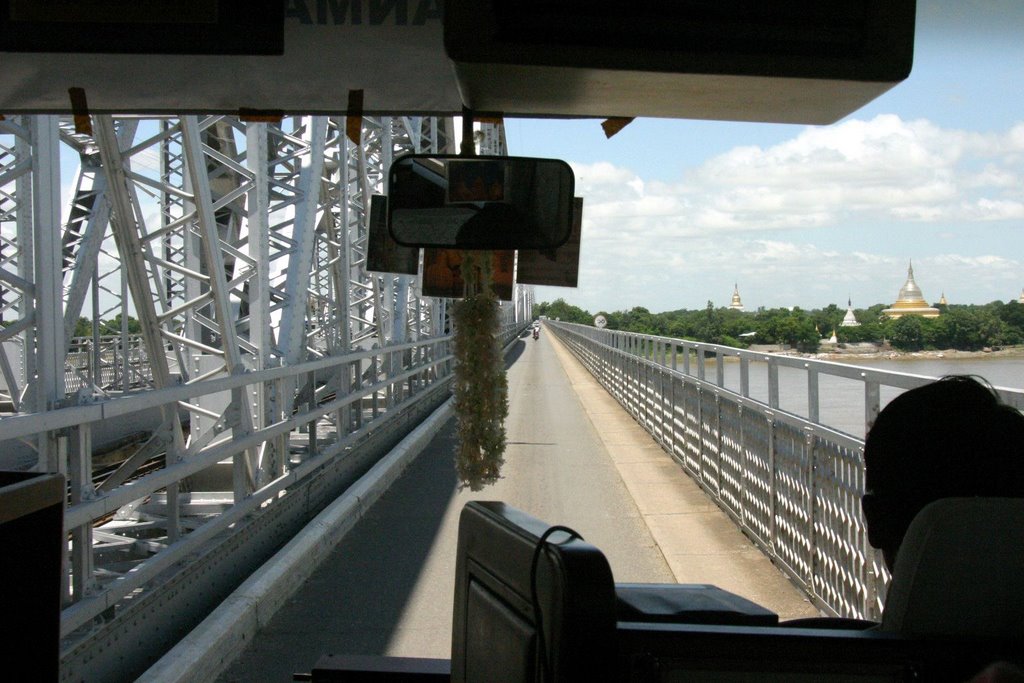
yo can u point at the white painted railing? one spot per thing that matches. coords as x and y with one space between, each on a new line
790 482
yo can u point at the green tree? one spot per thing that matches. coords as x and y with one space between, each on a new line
993 330
960 327
938 333
906 333
734 324
113 326
709 326
869 330
679 328
83 328
828 319
793 328
560 310
640 320
1012 314
967 328
684 324
800 333
872 314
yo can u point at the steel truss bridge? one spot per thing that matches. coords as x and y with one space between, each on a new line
268 369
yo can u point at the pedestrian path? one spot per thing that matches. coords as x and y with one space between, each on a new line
698 540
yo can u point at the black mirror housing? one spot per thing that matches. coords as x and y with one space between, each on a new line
480 203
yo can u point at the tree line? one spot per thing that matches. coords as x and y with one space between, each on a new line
968 327
961 327
108 328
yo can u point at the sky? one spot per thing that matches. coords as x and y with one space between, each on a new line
678 212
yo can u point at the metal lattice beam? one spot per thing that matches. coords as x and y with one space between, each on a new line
239 251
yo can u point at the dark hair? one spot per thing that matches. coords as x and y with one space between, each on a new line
951 438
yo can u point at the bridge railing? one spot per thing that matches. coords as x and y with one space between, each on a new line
171 526
114 552
789 481
114 363
131 524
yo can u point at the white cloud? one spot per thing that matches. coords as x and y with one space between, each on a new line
780 220
985 209
774 273
995 177
883 168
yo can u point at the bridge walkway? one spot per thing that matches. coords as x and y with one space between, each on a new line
574 457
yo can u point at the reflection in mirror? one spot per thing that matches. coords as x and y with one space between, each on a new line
480 202
442 273
382 254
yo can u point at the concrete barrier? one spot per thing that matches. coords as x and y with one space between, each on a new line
211 647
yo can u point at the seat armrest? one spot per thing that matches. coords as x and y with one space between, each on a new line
687 603
380 669
847 623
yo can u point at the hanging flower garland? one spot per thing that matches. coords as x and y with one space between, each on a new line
481 388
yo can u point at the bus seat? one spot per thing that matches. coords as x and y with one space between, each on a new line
687 603
497 630
960 571
499 624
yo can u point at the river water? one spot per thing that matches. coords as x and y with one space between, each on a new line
841 400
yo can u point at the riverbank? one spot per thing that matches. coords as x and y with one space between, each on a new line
892 354
867 351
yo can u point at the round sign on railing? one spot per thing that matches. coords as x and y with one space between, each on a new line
600 321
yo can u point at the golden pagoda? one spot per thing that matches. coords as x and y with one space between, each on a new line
910 300
736 303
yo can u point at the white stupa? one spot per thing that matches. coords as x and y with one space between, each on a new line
849 320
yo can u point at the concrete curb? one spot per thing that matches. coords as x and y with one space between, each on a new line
212 646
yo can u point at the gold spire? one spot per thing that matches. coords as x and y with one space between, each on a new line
736 303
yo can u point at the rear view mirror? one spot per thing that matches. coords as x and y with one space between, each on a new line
452 202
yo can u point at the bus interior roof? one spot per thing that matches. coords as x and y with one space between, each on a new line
794 62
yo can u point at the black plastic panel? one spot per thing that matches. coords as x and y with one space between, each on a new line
212 27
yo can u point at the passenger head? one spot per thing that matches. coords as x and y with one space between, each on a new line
951 438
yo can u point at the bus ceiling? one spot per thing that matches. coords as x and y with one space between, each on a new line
800 61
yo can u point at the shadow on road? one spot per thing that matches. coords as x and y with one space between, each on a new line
353 601
514 351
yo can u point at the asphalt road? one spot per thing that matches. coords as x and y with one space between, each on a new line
387 588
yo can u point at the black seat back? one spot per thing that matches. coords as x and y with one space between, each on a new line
499 636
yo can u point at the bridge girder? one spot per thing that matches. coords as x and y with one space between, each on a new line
166 268
238 249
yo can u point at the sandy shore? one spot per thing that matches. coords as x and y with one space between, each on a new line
1003 352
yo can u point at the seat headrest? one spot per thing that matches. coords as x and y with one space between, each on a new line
960 571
